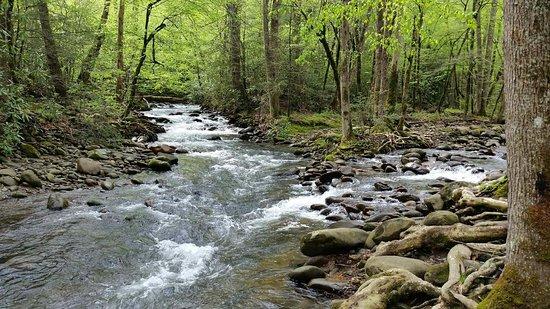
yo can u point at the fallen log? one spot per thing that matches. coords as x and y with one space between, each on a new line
390 287
419 237
162 99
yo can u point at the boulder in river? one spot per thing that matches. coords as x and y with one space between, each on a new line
163 148
324 285
380 186
306 273
389 230
331 241
377 264
107 185
328 177
159 165
88 166
441 217
434 202
31 179
57 202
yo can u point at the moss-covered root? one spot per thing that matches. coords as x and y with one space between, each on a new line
388 288
513 291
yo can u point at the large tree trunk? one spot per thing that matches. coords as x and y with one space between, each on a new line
525 282
50 48
380 81
120 54
488 59
235 51
89 62
479 67
345 78
270 21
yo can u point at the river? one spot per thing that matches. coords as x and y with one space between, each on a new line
223 230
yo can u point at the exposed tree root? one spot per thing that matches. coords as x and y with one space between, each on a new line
489 215
487 269
389 287
466 198
492 249
443 237
450 291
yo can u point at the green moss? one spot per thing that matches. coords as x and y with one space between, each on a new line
497 188
304 124
513 291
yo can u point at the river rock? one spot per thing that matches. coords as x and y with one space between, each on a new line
434 202
107 185
57 202
328 177
163 149
441 217
29 151
317 207
388 230
378 264
306 273
357 224
327 286
405 197
170 158
330 241
98 154
380 186
31 179
159 165
94 202
437 274
8 181
8 172
88 166
19 194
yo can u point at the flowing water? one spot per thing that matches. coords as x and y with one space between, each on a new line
223 232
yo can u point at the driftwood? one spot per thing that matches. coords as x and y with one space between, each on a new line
393 285
419 237
450 293
467 198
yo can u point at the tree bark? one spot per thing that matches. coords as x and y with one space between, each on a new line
235 51
120 53
50 48
89 62
479 67
488 57
270 23
8 39
345 78
525 282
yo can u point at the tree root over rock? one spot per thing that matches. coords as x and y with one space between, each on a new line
418 237
450 293
391 287
467 198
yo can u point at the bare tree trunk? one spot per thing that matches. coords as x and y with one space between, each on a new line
89 62
345 78
478 68
50 48
488 59
235 50
416 95
147 38
270 19
120 54
527 97
8 39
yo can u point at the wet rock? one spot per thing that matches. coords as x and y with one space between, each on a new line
389 168
163 148
29 151
8 172
323 188
107 185
410 204
91 182
412 214
137 180
327 286
214 138
347 171
441 217
334 200
171 159
328 177
94 202
57 202
318 261
380 186
415 168
19 194
388 230
330 241
8 181
434 202
306 273
403 197
369 226
335 217
98 154
326 212
350 224
158 165
88 166
31 179
346 179
378 264
317 207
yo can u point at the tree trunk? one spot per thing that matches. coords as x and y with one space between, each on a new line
50 48
416 96
525 282
270 22
488 59
479 67
89 62
8 39
120 54
235 51
345 79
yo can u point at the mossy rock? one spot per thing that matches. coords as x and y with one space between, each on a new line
29 151
497 188
437 274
